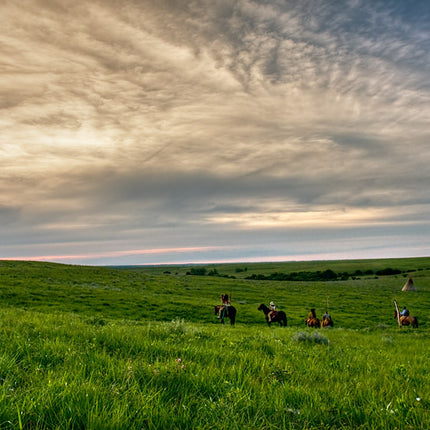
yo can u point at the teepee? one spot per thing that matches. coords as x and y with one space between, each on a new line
409 286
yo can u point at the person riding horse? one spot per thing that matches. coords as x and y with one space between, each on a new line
327 318
223 310
327 321
312 320
404 314
272 312
279 317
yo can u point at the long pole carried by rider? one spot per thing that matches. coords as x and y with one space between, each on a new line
397 312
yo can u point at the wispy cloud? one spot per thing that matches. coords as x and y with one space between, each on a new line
117 254
183 124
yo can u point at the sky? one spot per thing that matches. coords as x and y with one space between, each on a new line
174 131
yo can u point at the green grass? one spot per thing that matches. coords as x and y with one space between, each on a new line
105 348
143 294
59 371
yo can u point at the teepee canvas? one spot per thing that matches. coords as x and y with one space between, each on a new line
409 286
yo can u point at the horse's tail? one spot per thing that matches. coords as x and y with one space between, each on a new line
232 315
285 320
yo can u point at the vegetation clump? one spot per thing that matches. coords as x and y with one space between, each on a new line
307 337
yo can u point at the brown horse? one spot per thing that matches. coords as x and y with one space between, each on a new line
313 322
327 322
409 320
228 311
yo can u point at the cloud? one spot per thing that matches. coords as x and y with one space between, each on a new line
145 125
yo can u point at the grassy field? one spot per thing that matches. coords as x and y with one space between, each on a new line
132 348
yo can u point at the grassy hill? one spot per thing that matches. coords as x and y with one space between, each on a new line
168 293
140 347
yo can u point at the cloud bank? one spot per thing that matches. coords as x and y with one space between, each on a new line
177 131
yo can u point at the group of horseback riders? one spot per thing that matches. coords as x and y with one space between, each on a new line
272 313
313 321
223 311
312 316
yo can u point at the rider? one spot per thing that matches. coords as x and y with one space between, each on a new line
404 314
312 314
272 311
326 316
225 304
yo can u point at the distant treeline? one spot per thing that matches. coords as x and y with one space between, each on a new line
326 275
202 271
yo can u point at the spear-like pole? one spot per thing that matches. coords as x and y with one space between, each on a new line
397 312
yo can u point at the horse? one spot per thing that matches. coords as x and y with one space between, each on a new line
409 320
228 311
313 322
280 316
327 322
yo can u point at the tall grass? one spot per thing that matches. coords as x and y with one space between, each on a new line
61 371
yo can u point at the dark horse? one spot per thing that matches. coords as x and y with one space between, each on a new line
228 311
280 316
409 320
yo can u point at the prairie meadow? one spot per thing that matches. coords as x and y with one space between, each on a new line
141 347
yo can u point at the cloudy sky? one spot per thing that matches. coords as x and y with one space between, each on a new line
173 131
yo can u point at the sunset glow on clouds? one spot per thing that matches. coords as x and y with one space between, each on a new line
214 130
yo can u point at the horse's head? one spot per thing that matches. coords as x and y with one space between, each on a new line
217 309
395 314
261 307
